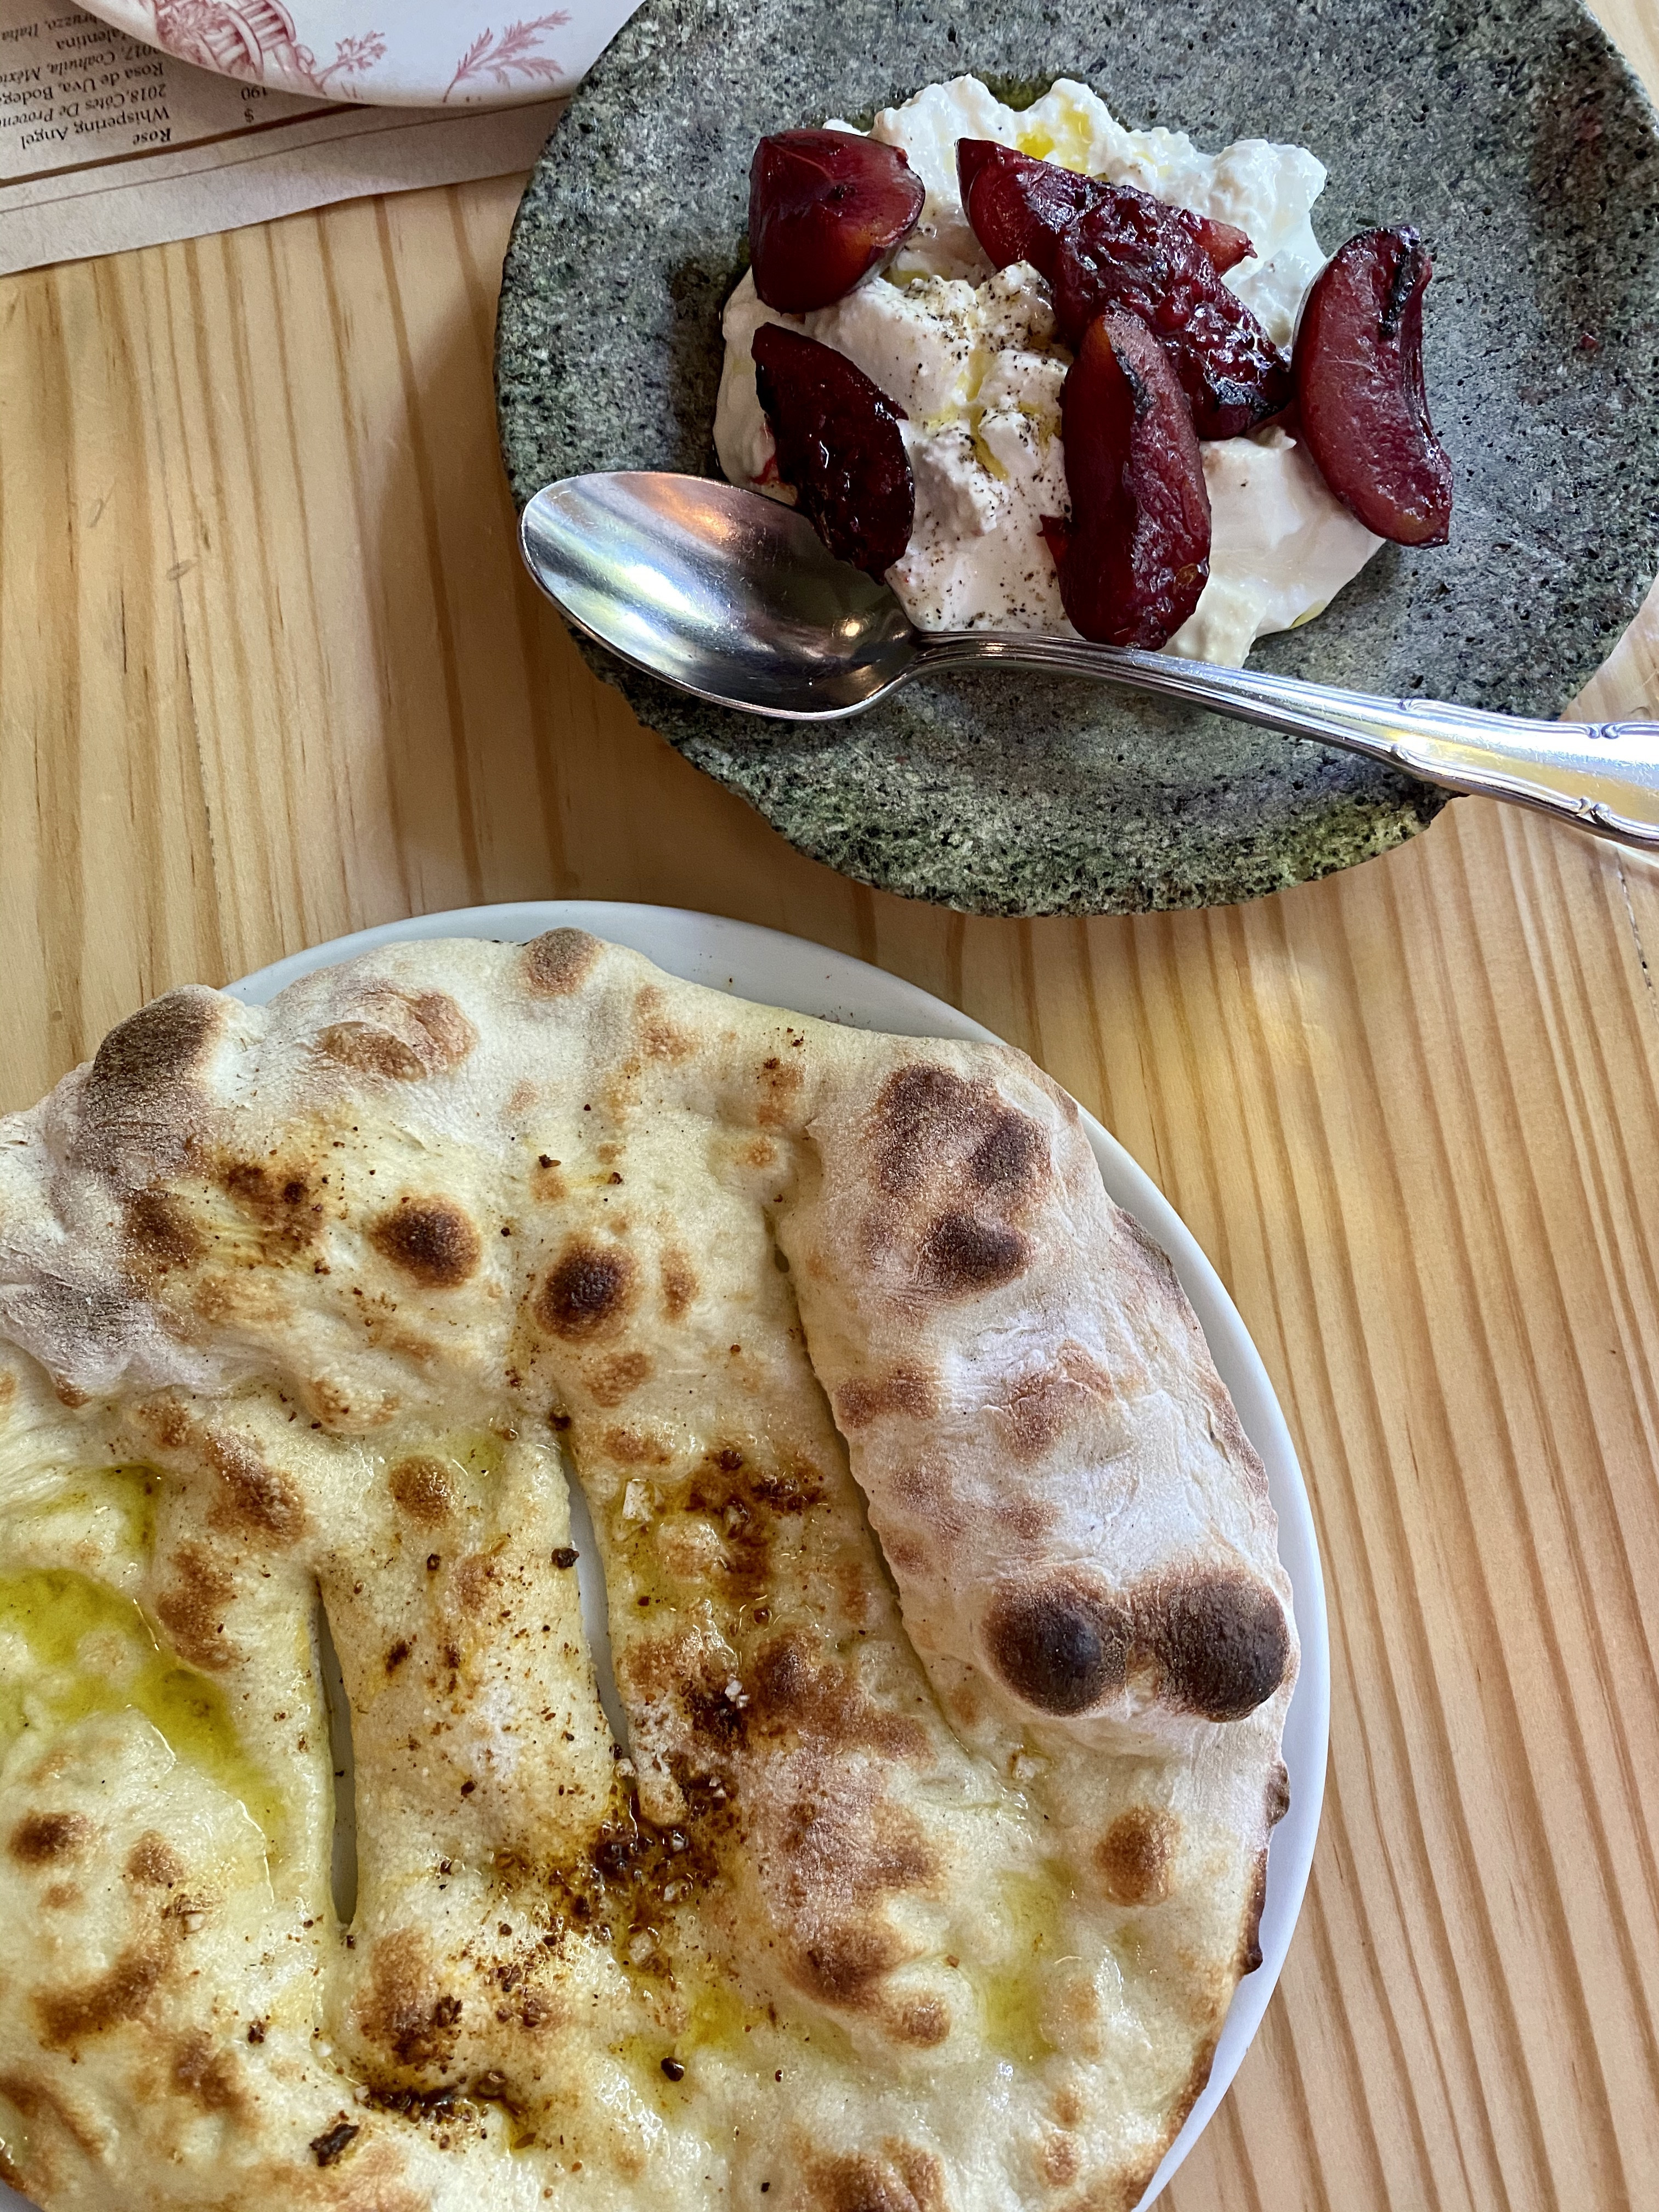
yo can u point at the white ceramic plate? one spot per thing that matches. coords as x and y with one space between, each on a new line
803 978
404 53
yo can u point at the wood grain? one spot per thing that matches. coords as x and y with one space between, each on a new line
269 671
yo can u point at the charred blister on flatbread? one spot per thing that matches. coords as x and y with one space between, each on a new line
205 2075
405 2014
194 1609
835 1851
1135 1858
932 1128
1219 1638
678 1280
425 1488
961 1171
589 1291
282 1197
1214 1643
43 1839
432 1241
905 1390
1055 1403
141 1101
660 1037
900 2178
960 1257
398 1036
1059 1646
558 964
72 2016
160 1233
612 1381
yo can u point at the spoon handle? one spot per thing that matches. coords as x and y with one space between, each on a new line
1603 776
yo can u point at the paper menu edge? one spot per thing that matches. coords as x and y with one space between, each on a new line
313 160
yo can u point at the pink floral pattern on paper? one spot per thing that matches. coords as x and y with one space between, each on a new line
237 37
257 41
351 57
514 53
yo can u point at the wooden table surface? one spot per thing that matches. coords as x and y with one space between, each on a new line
269 672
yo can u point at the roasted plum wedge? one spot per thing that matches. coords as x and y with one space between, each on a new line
1137 554
1359 367
1020 208
1225 242
839 446
824 207
1132 253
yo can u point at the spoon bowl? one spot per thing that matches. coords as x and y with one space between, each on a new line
733 597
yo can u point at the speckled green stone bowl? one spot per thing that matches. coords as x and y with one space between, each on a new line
1510 133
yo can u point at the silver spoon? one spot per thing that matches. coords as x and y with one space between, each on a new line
735 599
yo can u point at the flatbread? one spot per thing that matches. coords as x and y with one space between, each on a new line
948 1625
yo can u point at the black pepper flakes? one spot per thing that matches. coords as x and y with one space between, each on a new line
328 2149
673 2069
566 1556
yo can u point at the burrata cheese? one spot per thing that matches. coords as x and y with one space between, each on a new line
968 353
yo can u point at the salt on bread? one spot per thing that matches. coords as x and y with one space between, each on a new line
947 1620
